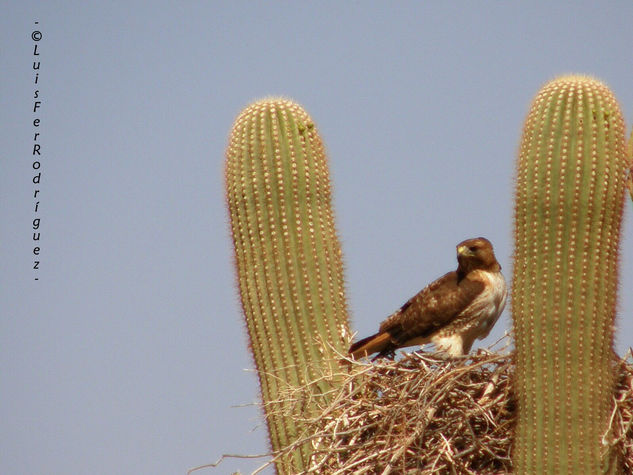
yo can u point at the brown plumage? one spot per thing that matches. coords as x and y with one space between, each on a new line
451 312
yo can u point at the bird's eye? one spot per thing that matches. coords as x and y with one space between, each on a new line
472 248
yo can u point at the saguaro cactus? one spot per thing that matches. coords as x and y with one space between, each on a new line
568 210
288 258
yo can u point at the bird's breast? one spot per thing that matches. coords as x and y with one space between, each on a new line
492 300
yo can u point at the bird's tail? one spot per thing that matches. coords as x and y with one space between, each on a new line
376 343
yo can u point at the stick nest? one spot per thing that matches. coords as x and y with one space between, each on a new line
424 414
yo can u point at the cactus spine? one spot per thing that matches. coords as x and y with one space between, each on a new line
288 258
568 210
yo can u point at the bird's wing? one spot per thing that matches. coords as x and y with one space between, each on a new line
431 309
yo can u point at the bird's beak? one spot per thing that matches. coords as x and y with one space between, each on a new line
464 251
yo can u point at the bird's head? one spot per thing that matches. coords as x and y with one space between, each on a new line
476 253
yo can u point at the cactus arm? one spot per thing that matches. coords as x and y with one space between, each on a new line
287 258
568 211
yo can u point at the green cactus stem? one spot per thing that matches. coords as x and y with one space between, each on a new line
288 259
568 212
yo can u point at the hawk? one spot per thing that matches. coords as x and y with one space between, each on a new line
451 312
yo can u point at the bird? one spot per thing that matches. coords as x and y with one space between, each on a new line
451 312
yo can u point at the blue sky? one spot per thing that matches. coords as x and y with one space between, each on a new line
128 354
